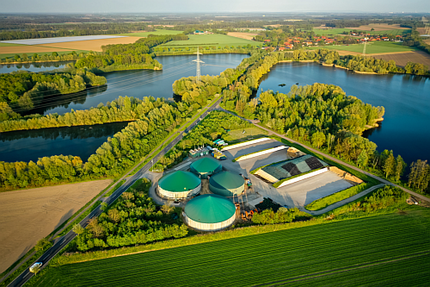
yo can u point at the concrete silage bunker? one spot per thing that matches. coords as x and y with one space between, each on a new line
227 184
209 212
205 167
179 185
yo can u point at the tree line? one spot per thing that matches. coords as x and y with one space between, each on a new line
37 57
133 219
111 159
22 90
127 56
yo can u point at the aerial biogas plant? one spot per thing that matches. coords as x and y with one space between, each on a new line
179 185
209 212
205 167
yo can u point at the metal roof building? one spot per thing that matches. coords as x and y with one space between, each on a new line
209 212
227 184
205 166
179 185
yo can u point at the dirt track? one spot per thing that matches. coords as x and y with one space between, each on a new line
31 214
91 45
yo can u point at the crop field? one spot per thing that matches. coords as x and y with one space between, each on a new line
402 59
211 40
31 214
372 48
156 32
334 31
91 45
378 29
242 35
365 251
20 49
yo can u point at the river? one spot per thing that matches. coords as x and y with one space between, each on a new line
83 141
406 98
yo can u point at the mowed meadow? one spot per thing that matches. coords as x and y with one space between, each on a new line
382 250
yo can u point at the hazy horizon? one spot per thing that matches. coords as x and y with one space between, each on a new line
220 6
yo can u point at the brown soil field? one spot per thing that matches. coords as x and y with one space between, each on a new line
31 214
377 27
421 31
30 49
90 45
427 41
242 35
403 58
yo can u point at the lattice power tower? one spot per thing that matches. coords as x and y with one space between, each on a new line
198 65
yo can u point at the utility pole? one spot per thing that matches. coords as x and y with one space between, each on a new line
198 65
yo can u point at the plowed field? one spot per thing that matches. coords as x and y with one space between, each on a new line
31 214
90 45
242 35
403 58
378 27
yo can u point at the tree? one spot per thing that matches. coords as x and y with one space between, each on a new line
389 165
362 159
318 139
400 167
43 244
167 209
78 229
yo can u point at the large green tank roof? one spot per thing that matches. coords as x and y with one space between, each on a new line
179 181
227 180
209 208
205 165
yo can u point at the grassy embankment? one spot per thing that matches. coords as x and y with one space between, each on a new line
367 250
372 48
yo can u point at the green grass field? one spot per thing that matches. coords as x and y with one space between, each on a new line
385 248
211 40
372 48
156 32
239 135
9 44
339 31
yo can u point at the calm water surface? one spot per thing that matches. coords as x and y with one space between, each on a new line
406 125
140 83
33 144
83 141
33 67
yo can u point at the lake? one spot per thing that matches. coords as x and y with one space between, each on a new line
33 67
140 83
406 98
83 141
33 144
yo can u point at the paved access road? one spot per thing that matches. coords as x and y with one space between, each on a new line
66 239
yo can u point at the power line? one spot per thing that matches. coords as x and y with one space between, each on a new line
198 65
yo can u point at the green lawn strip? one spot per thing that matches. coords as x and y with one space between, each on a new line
115 188
239 157
156 32
285 254
352 171
211 40
278 183
371 48
251 133
10 44
338 196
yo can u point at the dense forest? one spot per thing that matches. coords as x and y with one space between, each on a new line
22 90
133 219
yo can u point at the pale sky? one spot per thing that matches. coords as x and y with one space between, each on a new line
211 6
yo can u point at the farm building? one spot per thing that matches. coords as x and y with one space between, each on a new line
284 169
179 185
205 166
227 184
209 212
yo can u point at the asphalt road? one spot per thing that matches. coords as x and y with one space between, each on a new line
66 239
